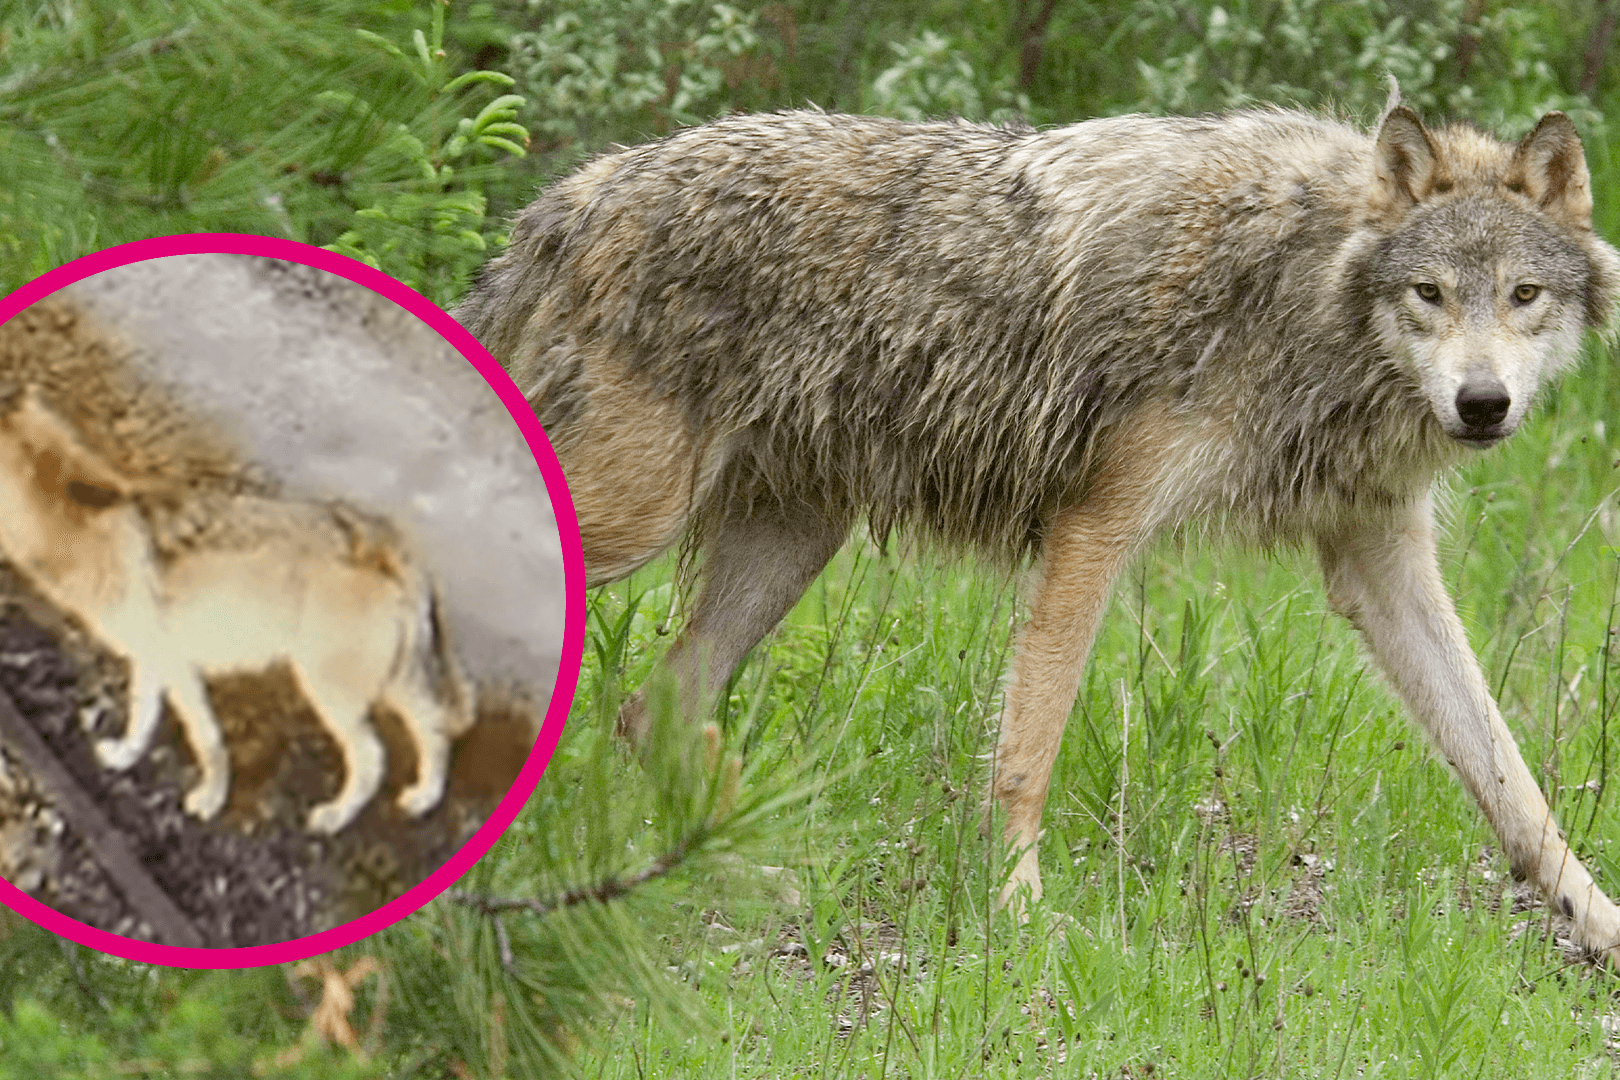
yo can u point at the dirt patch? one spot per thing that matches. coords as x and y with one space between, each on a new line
1306 893
868 956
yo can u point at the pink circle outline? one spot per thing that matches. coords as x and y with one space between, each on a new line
573 620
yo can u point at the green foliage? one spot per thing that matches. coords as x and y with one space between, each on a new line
75 1015
1310 52
427 227
934 77
119 123
604 70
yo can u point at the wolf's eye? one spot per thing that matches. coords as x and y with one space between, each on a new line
1526 293
91 495
1429 291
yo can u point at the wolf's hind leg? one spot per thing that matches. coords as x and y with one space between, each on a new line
344 714
635 471
757 563
430 725
1384 578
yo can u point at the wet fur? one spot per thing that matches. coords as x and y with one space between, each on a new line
1057 345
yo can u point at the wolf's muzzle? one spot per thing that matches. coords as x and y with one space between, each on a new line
1482 404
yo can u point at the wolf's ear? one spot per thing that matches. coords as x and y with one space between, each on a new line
64 463
1549 167
1406 164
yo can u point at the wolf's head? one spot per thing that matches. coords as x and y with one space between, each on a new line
55 495
1486 270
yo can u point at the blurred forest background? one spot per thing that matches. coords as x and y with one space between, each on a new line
327 123
404 133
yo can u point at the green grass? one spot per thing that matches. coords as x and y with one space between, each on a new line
1257 867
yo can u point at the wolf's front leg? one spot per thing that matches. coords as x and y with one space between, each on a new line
344 711
1082 555
144 707
1383 577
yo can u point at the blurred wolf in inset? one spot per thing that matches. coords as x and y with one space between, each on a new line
312 586
1058 344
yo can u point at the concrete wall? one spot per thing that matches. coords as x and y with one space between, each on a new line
339 393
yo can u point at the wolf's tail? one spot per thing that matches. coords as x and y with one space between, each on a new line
449 680
427 659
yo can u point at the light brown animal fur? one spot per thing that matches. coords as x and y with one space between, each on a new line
638 468
1084 553
265 582
1060 344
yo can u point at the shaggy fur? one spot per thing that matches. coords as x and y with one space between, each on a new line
1058 344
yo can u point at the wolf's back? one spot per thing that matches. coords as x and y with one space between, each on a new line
932 322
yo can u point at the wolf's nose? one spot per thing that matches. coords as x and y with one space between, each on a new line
1482 401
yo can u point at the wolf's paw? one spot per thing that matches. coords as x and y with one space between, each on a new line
1016 900
1023 886
90 716
418 799
1021 899
330 817
117 753
1602 938
207 798
1589 927
1578 949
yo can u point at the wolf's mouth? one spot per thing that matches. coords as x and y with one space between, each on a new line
1482 438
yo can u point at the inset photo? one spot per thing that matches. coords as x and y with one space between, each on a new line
291 602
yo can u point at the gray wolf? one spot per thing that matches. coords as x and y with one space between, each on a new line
1058 344
264 582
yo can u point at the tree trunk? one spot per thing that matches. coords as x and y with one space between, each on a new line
1031 31
1597 46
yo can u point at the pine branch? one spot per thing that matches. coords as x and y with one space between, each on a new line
601 892
36 79
607 890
